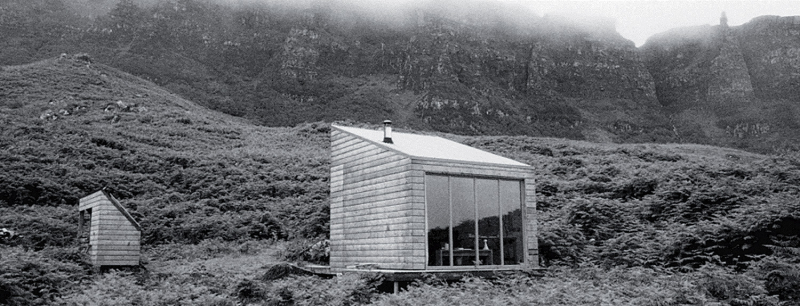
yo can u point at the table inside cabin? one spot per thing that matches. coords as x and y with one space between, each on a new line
464 257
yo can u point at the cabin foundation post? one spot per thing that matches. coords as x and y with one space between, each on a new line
396 287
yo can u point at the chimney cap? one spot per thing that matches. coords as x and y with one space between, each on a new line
387 131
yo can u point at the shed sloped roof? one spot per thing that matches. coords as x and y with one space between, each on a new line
431 147
115 203
123 210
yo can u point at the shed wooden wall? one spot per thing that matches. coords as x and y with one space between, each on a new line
373 220
113 239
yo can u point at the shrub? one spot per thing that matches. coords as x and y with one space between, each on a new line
206 249
586 285
310 250
596 218
39 227
547 189
560 243
250 291
122 288
738 289
636 189
348 289
571 162
654 156
32 278
103 142
780 272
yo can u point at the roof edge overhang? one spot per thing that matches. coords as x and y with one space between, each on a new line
413 158
122 210
382 145
455 161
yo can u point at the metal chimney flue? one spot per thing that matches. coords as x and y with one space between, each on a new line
387 131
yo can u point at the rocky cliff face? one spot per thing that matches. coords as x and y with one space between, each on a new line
732 86
729 85
467 68
772 53
479 74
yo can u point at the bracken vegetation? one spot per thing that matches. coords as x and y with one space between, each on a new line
221 200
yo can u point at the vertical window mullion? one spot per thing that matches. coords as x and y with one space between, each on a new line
476 244
450 234
523 212
500 231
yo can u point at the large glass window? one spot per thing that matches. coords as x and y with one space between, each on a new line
473 221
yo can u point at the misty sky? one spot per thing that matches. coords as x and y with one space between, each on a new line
638 20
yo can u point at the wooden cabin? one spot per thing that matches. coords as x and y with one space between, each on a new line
108 232
404 202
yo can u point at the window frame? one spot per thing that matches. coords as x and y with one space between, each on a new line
475 177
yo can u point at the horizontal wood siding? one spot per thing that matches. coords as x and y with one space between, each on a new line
91 200
94 229
117 239
417 199
531 221
337 212
113 239
129 262
371 215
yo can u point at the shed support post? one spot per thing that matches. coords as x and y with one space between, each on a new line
396 287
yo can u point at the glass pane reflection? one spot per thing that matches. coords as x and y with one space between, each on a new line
463 211
437 195
511 210
488 221
473 221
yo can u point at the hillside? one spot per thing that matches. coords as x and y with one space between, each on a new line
471 68
72 127
221 199
474 68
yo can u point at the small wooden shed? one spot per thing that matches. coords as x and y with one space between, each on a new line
408 202
108 232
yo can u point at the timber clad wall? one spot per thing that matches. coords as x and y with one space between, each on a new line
114 237
371 215
378 201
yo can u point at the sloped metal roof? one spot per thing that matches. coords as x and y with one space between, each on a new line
431 147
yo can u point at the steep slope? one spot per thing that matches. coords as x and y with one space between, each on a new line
71 127
772 53
478 68
470 68
730 86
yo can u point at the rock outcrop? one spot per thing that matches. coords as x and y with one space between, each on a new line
772 53
735 86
